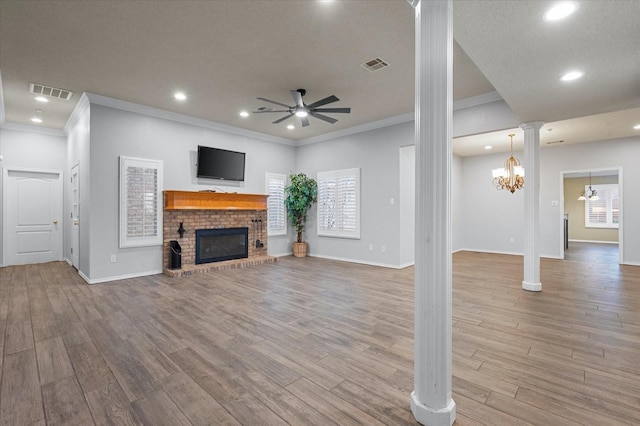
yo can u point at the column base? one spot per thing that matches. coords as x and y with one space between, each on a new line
531 286
430 417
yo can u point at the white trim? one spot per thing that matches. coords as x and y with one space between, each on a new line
595 242
78 111
508 253
2 115
287 253
399 119
182 118
373 125
119 277
631 263
474 101
18 127
361 262
68 261
406 265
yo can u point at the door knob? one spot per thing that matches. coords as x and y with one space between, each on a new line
55 222
76 222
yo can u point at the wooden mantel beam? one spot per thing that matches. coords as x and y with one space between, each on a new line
206 200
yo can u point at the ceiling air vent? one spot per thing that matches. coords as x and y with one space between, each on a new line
374 64
555 142
53 92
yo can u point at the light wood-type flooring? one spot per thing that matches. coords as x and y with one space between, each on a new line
313 341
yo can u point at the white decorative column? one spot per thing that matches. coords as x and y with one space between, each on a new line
531 280
431 402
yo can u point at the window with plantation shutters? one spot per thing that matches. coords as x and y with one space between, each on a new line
603 212
339 203
276 213
140 202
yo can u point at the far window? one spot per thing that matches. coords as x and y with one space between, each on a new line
339 203
603 212
276 213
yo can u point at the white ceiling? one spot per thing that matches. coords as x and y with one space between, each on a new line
225 54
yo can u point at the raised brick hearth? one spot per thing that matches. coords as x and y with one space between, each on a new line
217 214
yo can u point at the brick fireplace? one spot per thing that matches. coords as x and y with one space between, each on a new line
213 210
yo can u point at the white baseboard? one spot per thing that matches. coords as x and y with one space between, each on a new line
68 261
510 253
290 253
119 277
594 242
406 265
362 262
631 263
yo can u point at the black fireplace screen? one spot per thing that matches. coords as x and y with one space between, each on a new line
215 245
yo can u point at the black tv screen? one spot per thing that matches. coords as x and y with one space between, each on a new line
214 163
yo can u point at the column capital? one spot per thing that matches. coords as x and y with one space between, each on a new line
532 125
413 3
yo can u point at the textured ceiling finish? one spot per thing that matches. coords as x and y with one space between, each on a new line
225 54
524 56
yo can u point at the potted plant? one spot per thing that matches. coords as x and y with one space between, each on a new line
300 195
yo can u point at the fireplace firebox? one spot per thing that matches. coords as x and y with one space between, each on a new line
215 245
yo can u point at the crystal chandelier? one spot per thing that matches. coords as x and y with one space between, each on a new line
511 176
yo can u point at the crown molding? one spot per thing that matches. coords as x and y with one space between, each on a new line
182 118
373 125
77 112
18 127
398 119
485 98
2 116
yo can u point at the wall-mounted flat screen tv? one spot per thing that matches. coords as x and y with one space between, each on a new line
214 163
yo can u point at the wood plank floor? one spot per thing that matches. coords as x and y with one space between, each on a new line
313 341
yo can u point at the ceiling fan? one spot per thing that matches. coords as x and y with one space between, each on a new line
303 111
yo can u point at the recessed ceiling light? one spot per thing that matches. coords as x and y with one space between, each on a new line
560 11
291 127
572 75
636 127
488 147
36 119
41 99
180 96
244 114
301 113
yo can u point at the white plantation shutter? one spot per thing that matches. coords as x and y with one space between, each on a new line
276 213
603 212
339 203
140 202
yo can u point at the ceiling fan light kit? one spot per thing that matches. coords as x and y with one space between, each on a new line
303 111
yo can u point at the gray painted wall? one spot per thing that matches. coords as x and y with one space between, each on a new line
376 153
490 217
116 132
32 150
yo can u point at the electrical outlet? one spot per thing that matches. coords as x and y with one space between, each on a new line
370 247
113 258
392 201
512 240
383 249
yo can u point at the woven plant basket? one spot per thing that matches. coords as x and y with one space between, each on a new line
300 249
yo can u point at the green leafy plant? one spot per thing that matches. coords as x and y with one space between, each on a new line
300 195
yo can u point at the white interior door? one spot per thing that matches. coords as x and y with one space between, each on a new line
32 219
75 217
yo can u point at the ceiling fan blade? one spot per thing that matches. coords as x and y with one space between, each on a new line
323 117
327 100
305 121
274 102
297 97
341 110
273 110
280 120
